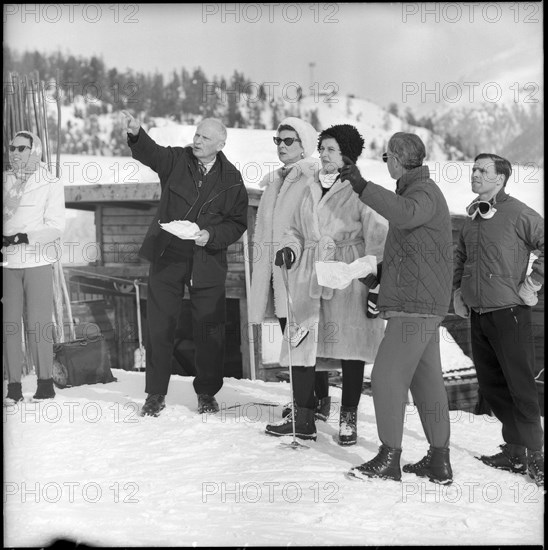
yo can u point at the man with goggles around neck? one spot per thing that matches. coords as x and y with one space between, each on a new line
492 287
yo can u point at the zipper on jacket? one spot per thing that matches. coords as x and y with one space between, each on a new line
478 269
213 198
197 190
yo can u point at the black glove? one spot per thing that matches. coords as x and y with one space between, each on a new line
372 310
285 256
351 173
372 281
18 238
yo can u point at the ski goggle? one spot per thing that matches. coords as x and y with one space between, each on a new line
19 148
287 141
484 208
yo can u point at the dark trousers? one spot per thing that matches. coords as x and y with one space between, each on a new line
504 356
166 287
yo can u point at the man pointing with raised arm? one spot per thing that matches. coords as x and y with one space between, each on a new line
417 276
199 186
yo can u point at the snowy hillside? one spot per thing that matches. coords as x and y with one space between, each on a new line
503 113
85 467
254 153
374 123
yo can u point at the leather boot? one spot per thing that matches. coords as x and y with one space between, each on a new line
348 431
44 389
15 393
435 466
323 408
512 458
305 426
535 466
385 465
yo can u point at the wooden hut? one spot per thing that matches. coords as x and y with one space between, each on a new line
123 213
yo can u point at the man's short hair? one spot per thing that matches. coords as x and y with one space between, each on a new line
221 128
408 148
502 166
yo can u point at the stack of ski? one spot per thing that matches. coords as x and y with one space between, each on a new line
26 101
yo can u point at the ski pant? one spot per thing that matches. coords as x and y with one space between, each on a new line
166 287
28 292
504 356
409 359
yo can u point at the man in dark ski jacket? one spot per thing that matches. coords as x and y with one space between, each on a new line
415 291
201 186
492 287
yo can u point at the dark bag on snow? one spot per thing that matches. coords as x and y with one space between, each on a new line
82 361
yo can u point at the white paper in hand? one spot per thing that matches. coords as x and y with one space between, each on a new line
339 275
182 229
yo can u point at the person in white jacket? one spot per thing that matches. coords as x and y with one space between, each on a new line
295 140
33 223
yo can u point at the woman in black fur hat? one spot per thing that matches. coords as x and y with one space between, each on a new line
330 223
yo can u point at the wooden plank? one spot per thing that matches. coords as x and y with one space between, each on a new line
120 210
123 219
118 257
130 192
122 238
125 229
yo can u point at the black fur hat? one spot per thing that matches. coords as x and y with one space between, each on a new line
347 136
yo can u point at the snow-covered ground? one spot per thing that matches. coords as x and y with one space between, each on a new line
86 467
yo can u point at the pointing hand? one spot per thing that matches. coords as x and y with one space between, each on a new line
132 125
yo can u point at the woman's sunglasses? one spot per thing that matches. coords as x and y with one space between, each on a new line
19 148
287 141
484 208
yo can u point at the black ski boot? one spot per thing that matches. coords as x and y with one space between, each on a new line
435 466
288 409
305 427
385 465
348 431
323 408
14 393
512 458
207 404
45 389
535 466
154 404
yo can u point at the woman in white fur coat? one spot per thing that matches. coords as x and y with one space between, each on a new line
296 141
331 223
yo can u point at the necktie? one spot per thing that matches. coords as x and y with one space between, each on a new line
202 173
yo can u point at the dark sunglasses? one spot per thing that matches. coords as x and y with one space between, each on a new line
287 141
484 208
386 155
20 148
